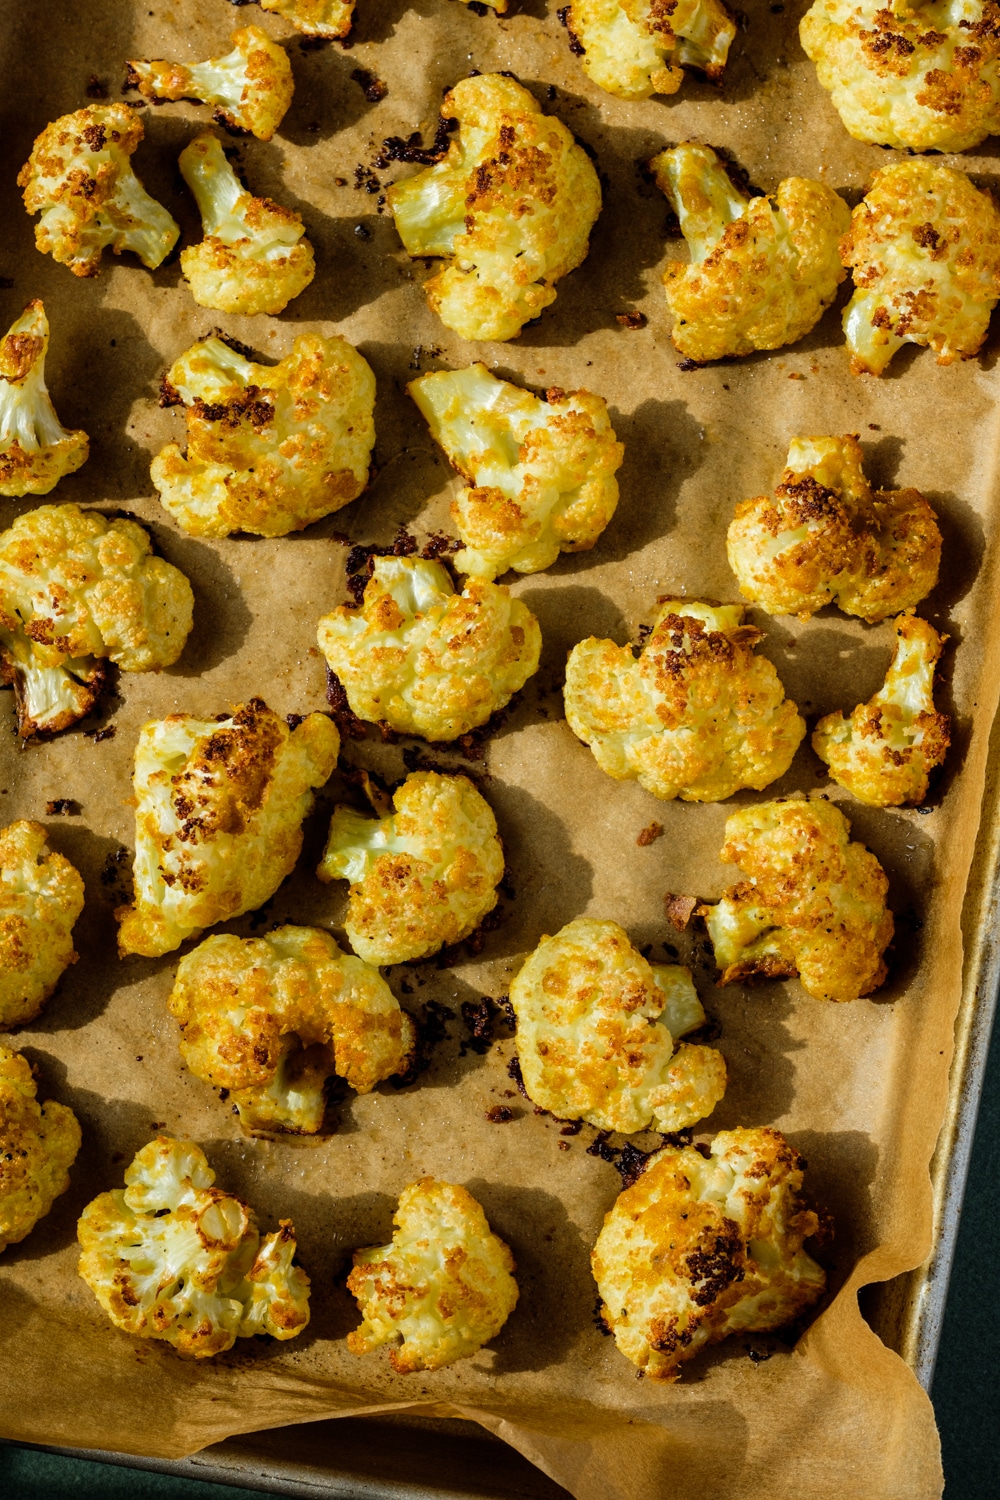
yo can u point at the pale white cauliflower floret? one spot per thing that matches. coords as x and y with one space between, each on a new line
36 450
541 474
38 1145
80 180
425 660
697 716
424 875
444 1286
511 206
634 48
270 1019
326 18
701 1248
218 818
77 590
924 246
762 272
41 896
172 1257
597 1030
270 448
251 86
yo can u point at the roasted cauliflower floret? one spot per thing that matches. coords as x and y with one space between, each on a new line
172 1257
326 18
827 538
812 902
425 660
36 450
270 1019
270 448
253 258
762 270
251 87
38 1145
41 896
697 716
444 1286
76 590
701 1247
218 818
634 48
424 875
597 1030
924 246
541 474
920 75
79 178
511 207
884 753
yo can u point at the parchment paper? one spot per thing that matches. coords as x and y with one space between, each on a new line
859 1088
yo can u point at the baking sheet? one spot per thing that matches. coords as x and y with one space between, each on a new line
860 1089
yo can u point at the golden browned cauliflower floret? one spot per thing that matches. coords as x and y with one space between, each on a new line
253 258
79 178
172 1257
924 246
597 1030
38 1145
270 448
425 660
511 207
326 18
885 751
697 716
920 75
541 474
41 896
251 87
812 902
424 875
700 1248
77 590
36 450
634 48
271 1019
444 1286
827 538
218 818
762 271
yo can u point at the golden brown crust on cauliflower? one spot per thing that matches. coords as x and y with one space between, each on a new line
762 270
924 246
425 660
41 896
511 207
172 1257
812 902
38 1145
218 818
827 538
920 75
634 48
700 1248
326 18
251 87
35 449
541 474
79 178
444 1286
697 716
596 1034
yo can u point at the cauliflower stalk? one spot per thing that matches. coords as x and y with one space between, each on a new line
79 178
541 474
425 660
36 450
697 716
41 896
251 87
172 1257
827 538
38 1145
76 590
253 258
444 1287
270 448
762 271
812 902
596 1034
511 207
326 18
218 818
702 1247
634 48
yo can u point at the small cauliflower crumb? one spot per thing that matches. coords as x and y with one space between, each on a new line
330 19
41 897
251 87
36 450
38 1145
634 48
